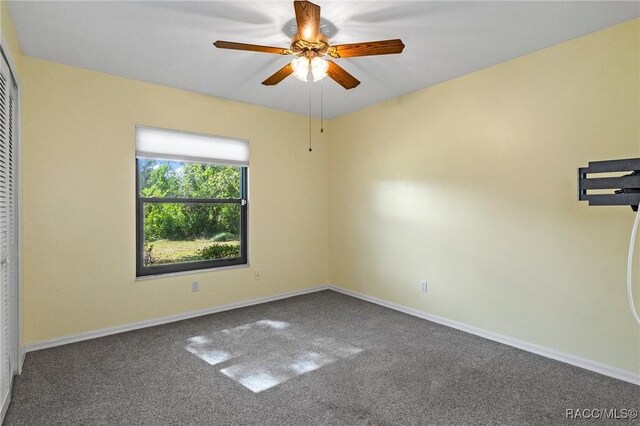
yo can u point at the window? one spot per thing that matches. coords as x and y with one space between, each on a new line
191 201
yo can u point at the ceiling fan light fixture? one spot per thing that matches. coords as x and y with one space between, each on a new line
319 68
305 69
300 68
309 45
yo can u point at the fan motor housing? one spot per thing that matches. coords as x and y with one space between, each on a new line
300 46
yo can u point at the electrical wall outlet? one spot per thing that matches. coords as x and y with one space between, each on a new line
423 286
195 285
257 275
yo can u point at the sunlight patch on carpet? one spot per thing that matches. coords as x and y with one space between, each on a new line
265 353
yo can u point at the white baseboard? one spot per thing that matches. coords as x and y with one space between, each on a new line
607 370
23 353
617 373
64 340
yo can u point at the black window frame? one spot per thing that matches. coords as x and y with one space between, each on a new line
145 271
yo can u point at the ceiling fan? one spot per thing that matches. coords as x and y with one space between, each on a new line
310 46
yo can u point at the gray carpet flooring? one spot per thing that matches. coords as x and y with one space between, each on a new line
321 358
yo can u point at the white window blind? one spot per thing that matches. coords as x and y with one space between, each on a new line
183 146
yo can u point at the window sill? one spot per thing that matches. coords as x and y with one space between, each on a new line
195 271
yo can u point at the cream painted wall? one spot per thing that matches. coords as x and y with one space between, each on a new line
471 184
79 201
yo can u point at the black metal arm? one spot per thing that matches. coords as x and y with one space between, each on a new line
625 189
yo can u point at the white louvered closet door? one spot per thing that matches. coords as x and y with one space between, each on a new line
8 233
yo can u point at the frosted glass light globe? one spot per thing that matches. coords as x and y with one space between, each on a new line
319 68
300 68
306 69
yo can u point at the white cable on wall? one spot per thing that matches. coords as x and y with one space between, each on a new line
632 244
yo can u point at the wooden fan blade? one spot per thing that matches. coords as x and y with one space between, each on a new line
340 76
251 47
308 20
368 48
279 75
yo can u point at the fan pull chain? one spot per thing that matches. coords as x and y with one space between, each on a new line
321 109
310 119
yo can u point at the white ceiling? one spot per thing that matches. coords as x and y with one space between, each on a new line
170 43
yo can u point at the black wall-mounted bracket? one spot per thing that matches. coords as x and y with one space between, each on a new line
624 189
